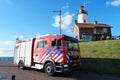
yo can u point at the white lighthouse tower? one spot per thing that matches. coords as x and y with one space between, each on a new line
82 15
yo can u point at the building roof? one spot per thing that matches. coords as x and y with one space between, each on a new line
90 25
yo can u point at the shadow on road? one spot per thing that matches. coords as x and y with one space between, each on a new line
101 66
96 69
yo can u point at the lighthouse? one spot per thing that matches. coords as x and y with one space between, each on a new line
85 31
82 15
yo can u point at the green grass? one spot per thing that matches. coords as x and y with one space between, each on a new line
101 57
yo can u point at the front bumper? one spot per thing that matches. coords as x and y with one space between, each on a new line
66 67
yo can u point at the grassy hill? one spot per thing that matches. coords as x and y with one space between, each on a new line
101 57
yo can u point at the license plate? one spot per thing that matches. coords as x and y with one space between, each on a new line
75 64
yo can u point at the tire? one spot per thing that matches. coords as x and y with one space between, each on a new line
21 65
49 69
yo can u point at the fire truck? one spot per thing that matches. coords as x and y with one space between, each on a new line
51 53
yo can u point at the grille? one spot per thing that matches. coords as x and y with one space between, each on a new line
74 57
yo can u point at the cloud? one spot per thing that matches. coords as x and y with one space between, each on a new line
69 31
37 34
19 36
113 3
9 42
6 48
66 20
6 52
66 7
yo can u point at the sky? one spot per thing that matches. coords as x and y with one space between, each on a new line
30 18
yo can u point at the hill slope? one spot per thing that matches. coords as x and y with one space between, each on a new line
101 56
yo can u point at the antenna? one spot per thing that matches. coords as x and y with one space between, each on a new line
60 19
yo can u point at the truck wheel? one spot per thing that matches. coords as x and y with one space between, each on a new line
21 65
49 69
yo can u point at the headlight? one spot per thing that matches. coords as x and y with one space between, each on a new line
65 65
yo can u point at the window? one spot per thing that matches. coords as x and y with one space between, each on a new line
56 43
105 30
87 37
84 21
71 45
42 44
94 30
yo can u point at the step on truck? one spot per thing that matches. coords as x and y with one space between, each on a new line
51 53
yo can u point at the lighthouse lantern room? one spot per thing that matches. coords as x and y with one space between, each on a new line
82 15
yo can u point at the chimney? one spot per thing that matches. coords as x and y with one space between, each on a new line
75 21
95 22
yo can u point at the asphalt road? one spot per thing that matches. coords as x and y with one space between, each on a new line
7 69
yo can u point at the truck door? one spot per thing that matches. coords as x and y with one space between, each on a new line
39 52
16 54
28 53
23 52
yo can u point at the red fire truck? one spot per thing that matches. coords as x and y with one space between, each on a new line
51 53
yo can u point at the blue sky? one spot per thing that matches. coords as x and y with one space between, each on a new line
29 18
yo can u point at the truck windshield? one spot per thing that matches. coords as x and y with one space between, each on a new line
71 45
